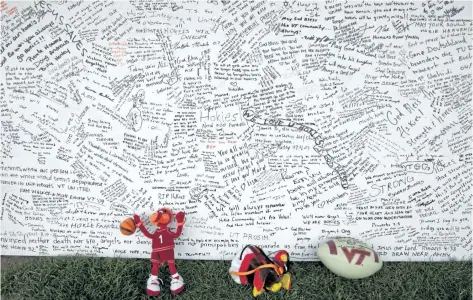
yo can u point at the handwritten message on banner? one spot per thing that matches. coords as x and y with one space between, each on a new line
275 123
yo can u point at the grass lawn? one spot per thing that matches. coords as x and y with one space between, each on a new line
106 278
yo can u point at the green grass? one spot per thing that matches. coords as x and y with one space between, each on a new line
105 278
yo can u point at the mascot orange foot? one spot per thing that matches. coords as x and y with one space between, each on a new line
254 267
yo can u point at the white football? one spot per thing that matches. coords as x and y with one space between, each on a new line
349 258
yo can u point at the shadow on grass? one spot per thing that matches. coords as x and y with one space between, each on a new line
77 277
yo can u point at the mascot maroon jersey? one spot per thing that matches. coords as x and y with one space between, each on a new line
163 240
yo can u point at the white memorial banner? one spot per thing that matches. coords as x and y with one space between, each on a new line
274 123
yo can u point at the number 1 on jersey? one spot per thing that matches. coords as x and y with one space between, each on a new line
161 238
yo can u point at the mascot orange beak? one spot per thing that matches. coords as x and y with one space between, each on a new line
161 217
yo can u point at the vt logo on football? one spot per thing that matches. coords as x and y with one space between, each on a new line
350 253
